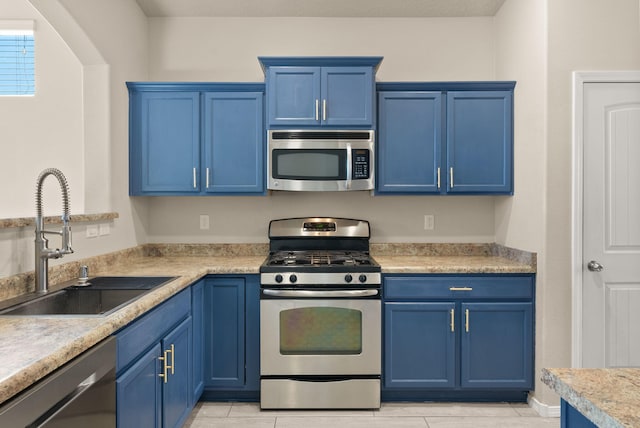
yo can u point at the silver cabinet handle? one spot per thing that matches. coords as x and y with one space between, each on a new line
320 293
324 110
451 177
438 178
317 109
207 178
453 320
195 182
460 288
594 266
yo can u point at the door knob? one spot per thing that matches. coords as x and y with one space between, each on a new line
594 266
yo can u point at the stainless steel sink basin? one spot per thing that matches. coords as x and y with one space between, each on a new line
101 296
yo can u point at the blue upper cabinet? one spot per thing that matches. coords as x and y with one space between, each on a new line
294 96
196 138
320 91
445 138
409 142
233 137
480 142
166 153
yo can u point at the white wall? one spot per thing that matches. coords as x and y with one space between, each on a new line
583 35
416 49
541 43
78 119
521 48
44 130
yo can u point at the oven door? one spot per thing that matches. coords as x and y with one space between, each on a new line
319 336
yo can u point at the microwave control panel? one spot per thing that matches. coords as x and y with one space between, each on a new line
360 164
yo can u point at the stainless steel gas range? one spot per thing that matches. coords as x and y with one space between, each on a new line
320 316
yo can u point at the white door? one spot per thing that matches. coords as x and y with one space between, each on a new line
611 225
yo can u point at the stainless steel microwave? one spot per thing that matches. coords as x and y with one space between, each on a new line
320 160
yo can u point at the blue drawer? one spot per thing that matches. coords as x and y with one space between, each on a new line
458 287
138 336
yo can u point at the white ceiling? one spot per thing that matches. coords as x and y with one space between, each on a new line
319 8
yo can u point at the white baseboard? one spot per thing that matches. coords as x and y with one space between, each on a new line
544 410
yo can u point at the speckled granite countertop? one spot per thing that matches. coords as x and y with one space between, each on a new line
610 398
31 347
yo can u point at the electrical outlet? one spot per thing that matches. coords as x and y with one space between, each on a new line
429 222
204 222
104 229
92 231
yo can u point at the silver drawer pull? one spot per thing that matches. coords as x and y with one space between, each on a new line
460 289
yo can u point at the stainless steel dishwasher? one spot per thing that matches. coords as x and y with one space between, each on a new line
81 393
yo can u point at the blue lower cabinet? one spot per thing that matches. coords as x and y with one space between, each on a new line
176 387
154 368
571 418
497 345
231 338
458 337
197 320
139 393
419 345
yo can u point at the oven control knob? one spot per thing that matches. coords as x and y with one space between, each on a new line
278 278
362 278
293 278
348 278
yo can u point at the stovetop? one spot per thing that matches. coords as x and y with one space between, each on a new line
320 258
319 251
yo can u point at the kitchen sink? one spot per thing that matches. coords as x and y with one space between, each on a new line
100 296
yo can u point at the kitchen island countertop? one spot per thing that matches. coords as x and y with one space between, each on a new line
610 398
33 346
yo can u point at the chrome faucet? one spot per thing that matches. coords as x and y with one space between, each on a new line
43 253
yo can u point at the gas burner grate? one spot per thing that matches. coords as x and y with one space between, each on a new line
306 258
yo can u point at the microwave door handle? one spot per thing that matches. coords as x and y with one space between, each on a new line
349 167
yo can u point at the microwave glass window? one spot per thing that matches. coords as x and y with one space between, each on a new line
309 164
320 331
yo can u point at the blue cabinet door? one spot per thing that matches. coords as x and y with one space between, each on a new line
347 96
252 328
321 96
176 391
571 418
165 146
139 393
409 142
294 96
419 345
497 345
480 142
197 320
224 332
234 147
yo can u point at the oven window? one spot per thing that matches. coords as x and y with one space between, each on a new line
309 164
320 331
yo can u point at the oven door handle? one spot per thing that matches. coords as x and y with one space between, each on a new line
320 293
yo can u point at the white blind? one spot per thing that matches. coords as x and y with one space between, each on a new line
17 60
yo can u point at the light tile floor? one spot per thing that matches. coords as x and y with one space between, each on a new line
391 415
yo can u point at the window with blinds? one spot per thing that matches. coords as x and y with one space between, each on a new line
17 63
